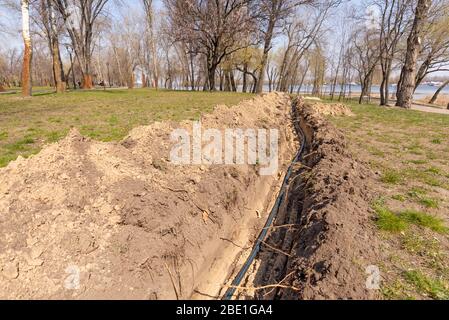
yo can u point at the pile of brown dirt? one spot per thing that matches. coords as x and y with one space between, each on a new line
336 240
86 219
334 109
323 238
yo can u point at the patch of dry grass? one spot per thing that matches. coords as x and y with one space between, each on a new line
442 100
26 124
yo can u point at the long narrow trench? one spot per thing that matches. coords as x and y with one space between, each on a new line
267 262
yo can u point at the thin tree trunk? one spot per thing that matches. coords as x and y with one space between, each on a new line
144 80
58 69
192 72
387 85
131 80
244 83
149 11
266 50
28 51
233 85
211 76
435 96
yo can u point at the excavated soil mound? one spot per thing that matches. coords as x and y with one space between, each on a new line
86 219
323 239
334 109
336 240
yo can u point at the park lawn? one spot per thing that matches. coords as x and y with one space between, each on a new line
26 124
408 150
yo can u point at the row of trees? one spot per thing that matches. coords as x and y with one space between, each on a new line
406 37
247 45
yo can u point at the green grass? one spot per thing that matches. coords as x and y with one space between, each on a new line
429 202
27 124
419 161
433 288
399 197
391 176
387 220
424 220
419 195
409 150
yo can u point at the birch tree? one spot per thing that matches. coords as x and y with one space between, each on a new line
28 50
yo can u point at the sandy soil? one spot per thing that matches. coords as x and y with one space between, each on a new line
85 219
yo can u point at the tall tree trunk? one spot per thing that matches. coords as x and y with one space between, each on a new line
233 85
192 72
49 21
384 86
28 51
72 69
87 82
211 75
144 80
131 80
244 81
58 70
387 85
227 80
266 50
366 86
404 94
382 92
148 4
435 96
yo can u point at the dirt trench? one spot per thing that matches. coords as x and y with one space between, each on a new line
85 219
323 241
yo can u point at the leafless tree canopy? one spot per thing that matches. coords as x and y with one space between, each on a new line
322 47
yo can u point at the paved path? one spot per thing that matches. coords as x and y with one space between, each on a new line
423 108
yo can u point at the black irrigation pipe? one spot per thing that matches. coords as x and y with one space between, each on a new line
274 211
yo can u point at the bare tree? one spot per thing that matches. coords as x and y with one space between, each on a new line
80 17
434 56
273 13
303 31
393 23
437 93
217 26
52 28
406 85
366 58
148 7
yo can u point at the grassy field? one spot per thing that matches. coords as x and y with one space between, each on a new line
409 152
27 124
